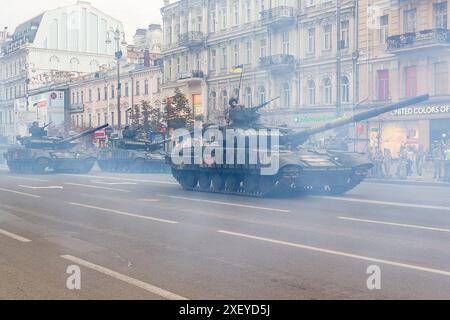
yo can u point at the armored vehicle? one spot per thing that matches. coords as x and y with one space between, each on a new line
39 153
283 168
133 155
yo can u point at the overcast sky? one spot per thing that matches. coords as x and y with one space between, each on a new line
133 13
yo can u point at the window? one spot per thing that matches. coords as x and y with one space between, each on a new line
248 11
158 85
224 58
213 59
236 55
441 78
225 98
126 89
248 97
99 94
440 15
345 34
223 16
138 88
90 95
213 100
248 49
235 13
383 85
213 21
410 22
98 120
311 40
146 87
327 37
327 91
311 92
105 93
410 82
345 94
90 121
113 92
197 61
286 95
82 97
112 119
263 48
73 97
261 95
186 63
384 29
285 39
105 118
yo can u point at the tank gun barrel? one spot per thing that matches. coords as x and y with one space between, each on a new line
83 134
300 137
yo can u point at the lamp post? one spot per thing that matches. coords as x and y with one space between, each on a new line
117 36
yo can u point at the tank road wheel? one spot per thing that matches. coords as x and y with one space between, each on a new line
232 183
251 184
266 185
204 182
188 180
218 183
40 165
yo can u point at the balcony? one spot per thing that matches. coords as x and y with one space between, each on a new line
192 39
278 17
281 63
418 40
191 77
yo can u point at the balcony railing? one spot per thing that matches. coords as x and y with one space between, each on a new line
192 39
279 16
418 39
279 62
194 74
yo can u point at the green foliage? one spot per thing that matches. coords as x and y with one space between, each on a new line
177 108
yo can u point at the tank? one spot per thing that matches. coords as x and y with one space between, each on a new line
298 169
40 153
133 155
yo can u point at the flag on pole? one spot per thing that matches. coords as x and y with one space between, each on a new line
238 69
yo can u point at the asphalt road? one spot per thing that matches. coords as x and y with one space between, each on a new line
143 237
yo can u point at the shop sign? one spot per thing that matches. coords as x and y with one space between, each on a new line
421 110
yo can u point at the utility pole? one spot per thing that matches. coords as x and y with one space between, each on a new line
338 60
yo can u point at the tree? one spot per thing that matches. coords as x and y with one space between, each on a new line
136 116
178 110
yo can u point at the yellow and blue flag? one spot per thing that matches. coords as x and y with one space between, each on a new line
238 69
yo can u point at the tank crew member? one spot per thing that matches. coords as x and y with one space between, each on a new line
36 131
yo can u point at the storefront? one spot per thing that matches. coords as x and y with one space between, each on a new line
416 126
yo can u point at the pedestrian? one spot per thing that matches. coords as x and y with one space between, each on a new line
447 161
387 163
420 160
438 158
402 169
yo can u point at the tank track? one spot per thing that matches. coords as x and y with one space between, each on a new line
131 167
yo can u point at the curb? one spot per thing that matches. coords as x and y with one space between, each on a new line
410 183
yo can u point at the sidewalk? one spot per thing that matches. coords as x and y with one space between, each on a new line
425 180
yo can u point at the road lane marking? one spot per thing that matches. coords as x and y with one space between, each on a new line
339 253
150 200
387 203
123 179
21 193
134 282
44 188
27 179
95 187
123 213
395 224
226 203
14 236
114 183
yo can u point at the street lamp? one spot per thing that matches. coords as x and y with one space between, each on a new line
117 36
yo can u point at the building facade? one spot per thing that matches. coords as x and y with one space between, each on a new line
288 48
56 46
93 98
405 51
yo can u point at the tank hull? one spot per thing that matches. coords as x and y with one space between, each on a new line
300 173
132 161
35 161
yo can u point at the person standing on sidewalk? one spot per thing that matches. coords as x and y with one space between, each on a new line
447 162
387 163
420 160
438 158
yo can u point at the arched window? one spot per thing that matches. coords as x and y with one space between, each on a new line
213 100
311 92
286 95
261 95
327 91
345 89
248 97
